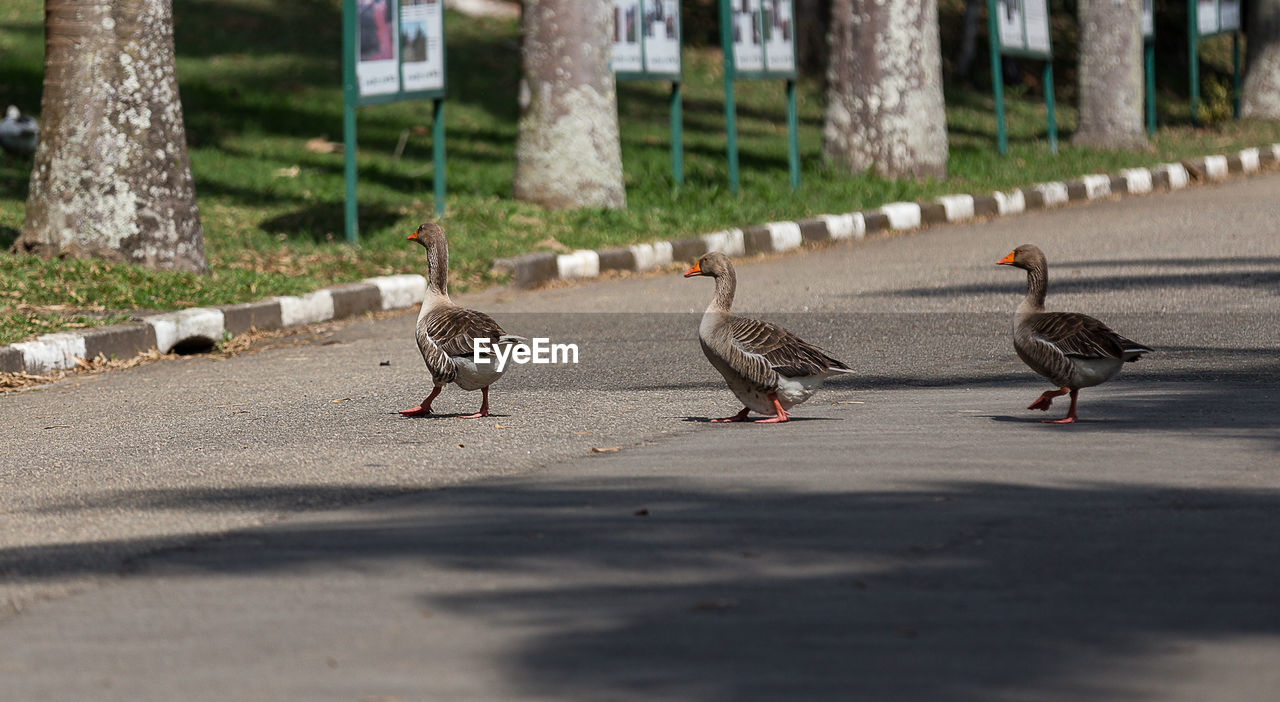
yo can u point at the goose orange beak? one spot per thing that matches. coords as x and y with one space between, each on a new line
1006 261
413 236
696 270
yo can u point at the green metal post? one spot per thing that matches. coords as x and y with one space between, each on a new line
1048 104
1235 75
677 136
1193 60
437 153
1149 49
997 78
350 92
730 110
793 141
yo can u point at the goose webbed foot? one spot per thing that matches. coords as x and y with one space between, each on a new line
1071 412
739 417
484 406
1045 400
423 409
781 414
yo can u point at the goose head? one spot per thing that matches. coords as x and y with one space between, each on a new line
1026 257
714 264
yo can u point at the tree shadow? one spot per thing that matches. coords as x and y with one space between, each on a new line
669 589
324 221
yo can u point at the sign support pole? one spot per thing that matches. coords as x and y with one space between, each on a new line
677 136
997 78
349 90
1193 63
437 153
1235 74
1149 61
793 141
1048 103
730 110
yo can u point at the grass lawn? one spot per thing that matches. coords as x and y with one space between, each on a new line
259 79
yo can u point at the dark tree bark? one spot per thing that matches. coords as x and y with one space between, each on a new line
111 177
885 108
1110 75
568 153
1261 89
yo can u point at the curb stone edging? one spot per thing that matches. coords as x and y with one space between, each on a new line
205 326
531 270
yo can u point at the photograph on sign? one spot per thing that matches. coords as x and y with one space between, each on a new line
1229 16
626 36
1207 17
779 35
748 35
1024 25
377 71
422 44
661 36
1148 19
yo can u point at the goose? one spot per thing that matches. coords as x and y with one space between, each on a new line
1072 350
18 133
446 333
767 367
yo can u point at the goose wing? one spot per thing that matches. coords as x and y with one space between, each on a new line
779 349
449 330
1079 335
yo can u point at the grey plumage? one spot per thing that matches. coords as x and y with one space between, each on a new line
1070 349
761 362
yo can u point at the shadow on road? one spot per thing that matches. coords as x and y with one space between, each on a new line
667 589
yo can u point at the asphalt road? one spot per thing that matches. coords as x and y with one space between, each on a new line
268 528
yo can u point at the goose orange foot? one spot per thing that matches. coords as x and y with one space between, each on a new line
1045 400
1071 412
739 417
484 406
423 409
781 413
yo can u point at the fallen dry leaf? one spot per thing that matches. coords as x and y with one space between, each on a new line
607 449
290 172
503 426
849 402
340 399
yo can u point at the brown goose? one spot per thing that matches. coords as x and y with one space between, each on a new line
446 332
767 367
1072 350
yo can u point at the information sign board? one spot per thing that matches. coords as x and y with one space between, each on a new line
646 39
1024 27
763 38
1217 16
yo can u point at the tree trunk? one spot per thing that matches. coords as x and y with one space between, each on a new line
1261 88
111 177
1110 74
568 153
885 108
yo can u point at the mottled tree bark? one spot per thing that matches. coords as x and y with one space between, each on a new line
885 108
568 153
1261 89
1110 74
111 177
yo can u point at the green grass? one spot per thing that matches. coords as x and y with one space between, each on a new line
257 83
